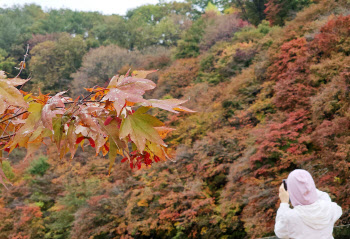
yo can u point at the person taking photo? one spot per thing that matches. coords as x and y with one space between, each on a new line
313 214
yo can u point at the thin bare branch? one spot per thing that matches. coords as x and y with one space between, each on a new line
7 136
13 117
23 62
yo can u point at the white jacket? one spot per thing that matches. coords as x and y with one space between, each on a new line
314 221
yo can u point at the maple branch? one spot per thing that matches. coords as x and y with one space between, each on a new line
7 136
88 95
5 114
13 116
20 88
8 123
93 101
5 129
85 101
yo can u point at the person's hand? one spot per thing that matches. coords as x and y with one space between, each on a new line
284 195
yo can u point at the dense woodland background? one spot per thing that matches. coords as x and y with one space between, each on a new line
269 80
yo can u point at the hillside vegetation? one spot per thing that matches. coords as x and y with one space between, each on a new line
269 80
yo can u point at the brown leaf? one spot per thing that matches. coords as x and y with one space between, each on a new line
130 89
50 110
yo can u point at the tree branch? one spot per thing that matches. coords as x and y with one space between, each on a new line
23 62
13 116
8 136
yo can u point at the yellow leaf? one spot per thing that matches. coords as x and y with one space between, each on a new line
163 131
22 64
10 95
142 203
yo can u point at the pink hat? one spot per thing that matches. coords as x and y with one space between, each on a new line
301 188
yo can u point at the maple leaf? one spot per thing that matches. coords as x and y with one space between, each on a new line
140 127
50 109
158 150
172 105
35 140
115 143
88 121
90 128
72 139
32 123
163 131
113 132
132 89
114 150
10 96
58 127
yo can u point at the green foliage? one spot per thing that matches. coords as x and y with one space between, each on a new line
203 5
278 11
253 10
7 63
64 57
39 166
252 34
206 63
188 45
59 222
15 25
150 25
7 169
144 26
212 8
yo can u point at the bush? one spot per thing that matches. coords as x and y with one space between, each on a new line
56 61
156 57
174 79
223 29
101 64
39 166
251 33
188 45
278 11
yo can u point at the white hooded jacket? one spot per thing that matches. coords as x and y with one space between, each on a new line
314 221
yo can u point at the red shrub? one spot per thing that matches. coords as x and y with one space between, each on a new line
334 36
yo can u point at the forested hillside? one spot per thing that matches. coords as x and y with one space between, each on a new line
269 81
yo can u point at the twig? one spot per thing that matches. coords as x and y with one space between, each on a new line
8 136
13 116
9 122
5 114
23 62
82 100
85 101
28 79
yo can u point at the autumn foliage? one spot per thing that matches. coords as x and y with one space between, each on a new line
269 99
